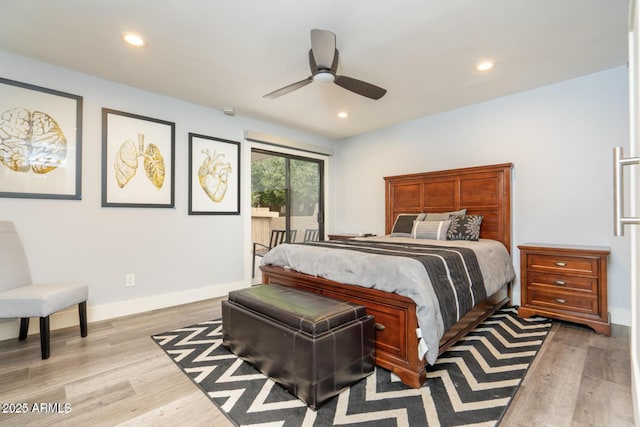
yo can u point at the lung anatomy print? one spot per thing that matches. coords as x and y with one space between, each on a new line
138 161
31 141
126 162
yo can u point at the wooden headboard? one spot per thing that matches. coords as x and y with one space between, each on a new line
482 190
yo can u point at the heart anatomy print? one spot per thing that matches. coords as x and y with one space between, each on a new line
31 141
213 175
126 162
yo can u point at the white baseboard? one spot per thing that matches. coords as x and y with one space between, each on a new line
620 316
69 317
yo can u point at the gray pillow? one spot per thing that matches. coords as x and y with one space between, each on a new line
442 216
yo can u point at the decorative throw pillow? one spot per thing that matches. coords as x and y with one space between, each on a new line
465 227
442 216
404 224
434 230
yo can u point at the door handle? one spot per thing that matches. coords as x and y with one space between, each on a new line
619 220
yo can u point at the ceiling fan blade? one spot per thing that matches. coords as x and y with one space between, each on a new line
289 88
323 46
360 87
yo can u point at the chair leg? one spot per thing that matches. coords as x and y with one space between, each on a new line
253 266
44 337
82 311
24 328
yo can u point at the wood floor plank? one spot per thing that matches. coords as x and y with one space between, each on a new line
595 407
608 365
117 375
201 413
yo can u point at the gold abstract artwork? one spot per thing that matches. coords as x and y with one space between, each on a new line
213 175
126 162
31 140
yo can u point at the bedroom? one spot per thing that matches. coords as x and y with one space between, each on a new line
559 138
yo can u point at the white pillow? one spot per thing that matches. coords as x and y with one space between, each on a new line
434 230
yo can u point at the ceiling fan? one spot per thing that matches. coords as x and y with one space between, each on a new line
323 61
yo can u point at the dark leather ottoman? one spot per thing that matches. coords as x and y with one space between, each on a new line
312 345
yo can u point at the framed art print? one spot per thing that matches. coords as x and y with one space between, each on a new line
40 142
137 161
214 176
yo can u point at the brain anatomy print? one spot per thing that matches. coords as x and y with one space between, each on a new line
31 141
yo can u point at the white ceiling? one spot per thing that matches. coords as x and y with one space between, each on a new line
231 53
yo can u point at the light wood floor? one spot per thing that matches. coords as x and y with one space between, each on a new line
119 376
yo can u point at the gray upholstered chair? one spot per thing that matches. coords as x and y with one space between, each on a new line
19 298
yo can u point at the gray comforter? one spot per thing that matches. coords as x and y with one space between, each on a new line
401 275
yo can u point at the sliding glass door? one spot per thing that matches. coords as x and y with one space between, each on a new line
286 194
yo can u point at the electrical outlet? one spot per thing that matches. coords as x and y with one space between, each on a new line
130 280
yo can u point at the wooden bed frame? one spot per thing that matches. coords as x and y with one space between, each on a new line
483 190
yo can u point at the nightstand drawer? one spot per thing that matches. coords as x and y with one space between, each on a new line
563 263
562 301
586 284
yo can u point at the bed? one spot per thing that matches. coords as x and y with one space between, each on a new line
400 324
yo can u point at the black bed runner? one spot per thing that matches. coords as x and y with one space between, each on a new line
454 272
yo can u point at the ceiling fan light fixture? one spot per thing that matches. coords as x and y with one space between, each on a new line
323 76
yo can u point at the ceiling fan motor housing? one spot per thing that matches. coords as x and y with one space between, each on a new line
323 76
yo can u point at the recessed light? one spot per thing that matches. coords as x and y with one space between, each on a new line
134 39
343 114
485 65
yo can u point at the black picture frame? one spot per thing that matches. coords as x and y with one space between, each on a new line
214 176
138 161
40 142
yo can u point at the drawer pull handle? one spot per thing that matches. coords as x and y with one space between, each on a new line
561 264
560 300
379 326
559 282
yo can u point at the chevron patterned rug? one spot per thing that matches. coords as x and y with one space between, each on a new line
471 384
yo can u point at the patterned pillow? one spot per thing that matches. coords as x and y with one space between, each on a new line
434 230
404 224
465 227
442 216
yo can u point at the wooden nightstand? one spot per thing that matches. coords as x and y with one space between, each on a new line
566 283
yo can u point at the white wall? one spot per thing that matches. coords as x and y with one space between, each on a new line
560 140
176 258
